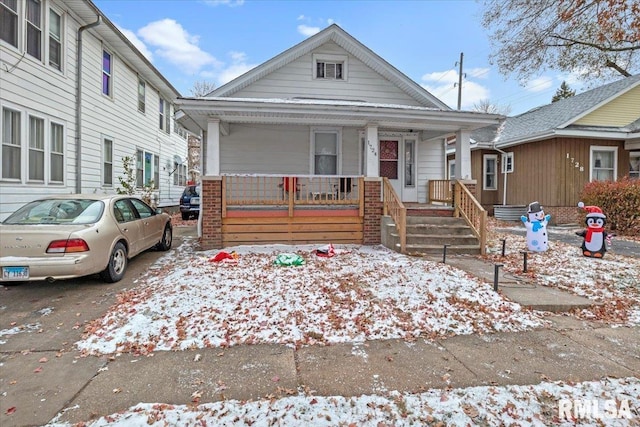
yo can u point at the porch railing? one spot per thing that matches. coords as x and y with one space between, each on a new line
440 191
393 207
280 191
467 207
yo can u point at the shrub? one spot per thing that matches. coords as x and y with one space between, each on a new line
619 201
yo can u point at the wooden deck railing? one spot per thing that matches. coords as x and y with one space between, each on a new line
467 207
290 191
393 206
440 191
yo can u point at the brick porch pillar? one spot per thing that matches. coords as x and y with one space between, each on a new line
211 211
372 211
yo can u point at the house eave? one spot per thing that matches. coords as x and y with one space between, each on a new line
567 133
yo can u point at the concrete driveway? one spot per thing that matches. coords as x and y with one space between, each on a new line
39 322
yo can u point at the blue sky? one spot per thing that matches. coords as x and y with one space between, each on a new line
218 40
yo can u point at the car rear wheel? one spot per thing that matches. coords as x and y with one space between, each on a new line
117 264
167 239
185 216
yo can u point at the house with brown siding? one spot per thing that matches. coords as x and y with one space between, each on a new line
298 149
548 154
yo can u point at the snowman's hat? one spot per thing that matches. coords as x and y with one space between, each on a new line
594 211
534 207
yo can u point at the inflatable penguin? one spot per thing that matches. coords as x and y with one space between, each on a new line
536 222
595 238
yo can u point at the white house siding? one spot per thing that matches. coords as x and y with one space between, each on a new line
118 118
431 165
282 149
32 87
296 79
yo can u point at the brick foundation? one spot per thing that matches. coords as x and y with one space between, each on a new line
372 212
211 211
563 214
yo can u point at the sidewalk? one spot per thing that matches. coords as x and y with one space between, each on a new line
570 351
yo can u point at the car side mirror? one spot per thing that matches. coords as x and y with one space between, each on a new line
158 211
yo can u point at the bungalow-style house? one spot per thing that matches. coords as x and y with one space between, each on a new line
76 97
548 154
299 148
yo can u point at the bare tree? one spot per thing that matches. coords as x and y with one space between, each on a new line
596 38
202 88
485 106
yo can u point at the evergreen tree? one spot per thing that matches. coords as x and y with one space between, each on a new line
564 91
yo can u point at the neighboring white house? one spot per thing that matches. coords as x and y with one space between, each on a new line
65 131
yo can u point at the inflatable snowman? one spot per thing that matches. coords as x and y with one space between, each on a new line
536 223
594 244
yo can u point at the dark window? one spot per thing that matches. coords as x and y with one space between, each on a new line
9 21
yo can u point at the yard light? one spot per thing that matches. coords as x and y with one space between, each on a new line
444 254
504 243
496 270
524 268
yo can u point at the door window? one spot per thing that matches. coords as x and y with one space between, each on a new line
389 159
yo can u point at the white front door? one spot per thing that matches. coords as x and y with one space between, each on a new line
398 164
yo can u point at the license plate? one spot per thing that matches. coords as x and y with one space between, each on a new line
15 273
195 200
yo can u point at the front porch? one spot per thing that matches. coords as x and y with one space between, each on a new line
312 209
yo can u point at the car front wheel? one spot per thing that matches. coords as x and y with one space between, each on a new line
117 264
167 239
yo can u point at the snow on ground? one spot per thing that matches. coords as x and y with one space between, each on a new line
611 402
613 281
362 293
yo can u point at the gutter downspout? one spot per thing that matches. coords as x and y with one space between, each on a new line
504 179
79 104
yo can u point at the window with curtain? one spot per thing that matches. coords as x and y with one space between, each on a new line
603 163
156 170
634 165
57 153
106 73
55 40
36 149
325 153
409 163
389 159
107 162
34 28
9 21
11 144
139 169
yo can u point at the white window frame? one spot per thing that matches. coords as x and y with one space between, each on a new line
330 59
485 159
634 155
38 27
451 169
164 115
41 148
141 172
507 163
16 17
53 153
338 133
593 150
12 145
59 38
109 74
142 95
107 160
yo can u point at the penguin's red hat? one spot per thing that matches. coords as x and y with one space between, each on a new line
594 211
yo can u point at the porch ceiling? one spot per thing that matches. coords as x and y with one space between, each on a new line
197 112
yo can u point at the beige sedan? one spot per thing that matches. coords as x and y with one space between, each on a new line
77 235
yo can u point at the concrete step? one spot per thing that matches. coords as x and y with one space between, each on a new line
420 249
440 240
438 229
437 220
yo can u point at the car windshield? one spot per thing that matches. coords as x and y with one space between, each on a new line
58 211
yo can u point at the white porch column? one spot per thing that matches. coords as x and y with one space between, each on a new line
463 155
371 148
212 160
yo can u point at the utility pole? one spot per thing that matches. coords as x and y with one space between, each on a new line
460 82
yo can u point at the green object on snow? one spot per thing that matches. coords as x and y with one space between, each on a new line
288 260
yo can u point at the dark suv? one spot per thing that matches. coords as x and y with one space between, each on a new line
190 202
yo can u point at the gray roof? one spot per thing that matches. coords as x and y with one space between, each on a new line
557 115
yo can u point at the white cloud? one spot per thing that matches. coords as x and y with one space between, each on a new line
230 3
443 85
308 31
238 67
539 84
173 43
139 44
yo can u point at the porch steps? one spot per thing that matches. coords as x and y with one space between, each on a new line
429 234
